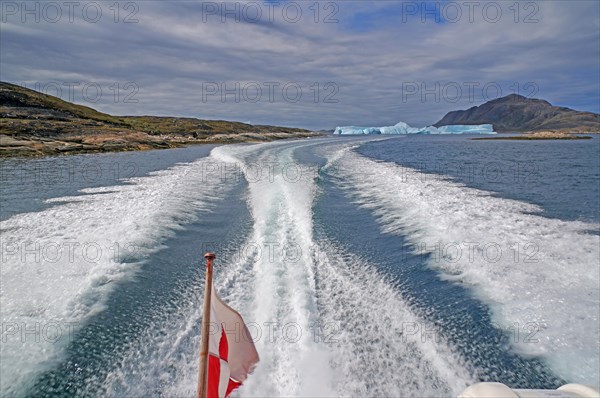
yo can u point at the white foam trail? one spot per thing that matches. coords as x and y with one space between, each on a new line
59 264
366 344
381 348
539 275
270 291
354 301
283 304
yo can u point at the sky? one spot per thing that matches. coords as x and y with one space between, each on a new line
307 64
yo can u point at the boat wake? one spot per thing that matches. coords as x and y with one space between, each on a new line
315 304
538 275
59 265
326 321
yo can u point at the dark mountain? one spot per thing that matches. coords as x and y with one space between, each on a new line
515 113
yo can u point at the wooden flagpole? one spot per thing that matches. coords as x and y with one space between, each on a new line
203 370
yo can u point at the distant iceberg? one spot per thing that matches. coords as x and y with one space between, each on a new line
403 128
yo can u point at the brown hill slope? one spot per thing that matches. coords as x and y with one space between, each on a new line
515 113
34 124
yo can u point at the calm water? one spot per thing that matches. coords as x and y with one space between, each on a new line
410 266
563 177
27 184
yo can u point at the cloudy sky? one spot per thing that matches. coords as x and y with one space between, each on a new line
303 63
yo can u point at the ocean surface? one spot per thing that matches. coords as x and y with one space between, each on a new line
363 266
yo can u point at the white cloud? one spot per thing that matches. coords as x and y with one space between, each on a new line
368 54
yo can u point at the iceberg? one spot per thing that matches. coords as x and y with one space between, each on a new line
464 129
403 128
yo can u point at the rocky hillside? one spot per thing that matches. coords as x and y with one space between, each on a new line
34 124
515 113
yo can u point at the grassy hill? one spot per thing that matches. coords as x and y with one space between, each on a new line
34 124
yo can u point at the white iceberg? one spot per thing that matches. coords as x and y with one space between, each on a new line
403 128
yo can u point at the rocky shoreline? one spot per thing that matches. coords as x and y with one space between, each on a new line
33 124
31 146
541 135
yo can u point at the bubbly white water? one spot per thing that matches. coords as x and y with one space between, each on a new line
283 302
380 346
540 276
350 320
325 322
58 265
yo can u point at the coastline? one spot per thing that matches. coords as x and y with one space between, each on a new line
33 124
36 147
540 135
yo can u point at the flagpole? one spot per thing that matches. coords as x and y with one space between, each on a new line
203 370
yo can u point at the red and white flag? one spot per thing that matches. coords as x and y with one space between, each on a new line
231 352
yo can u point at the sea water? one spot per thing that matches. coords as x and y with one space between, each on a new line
403 266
